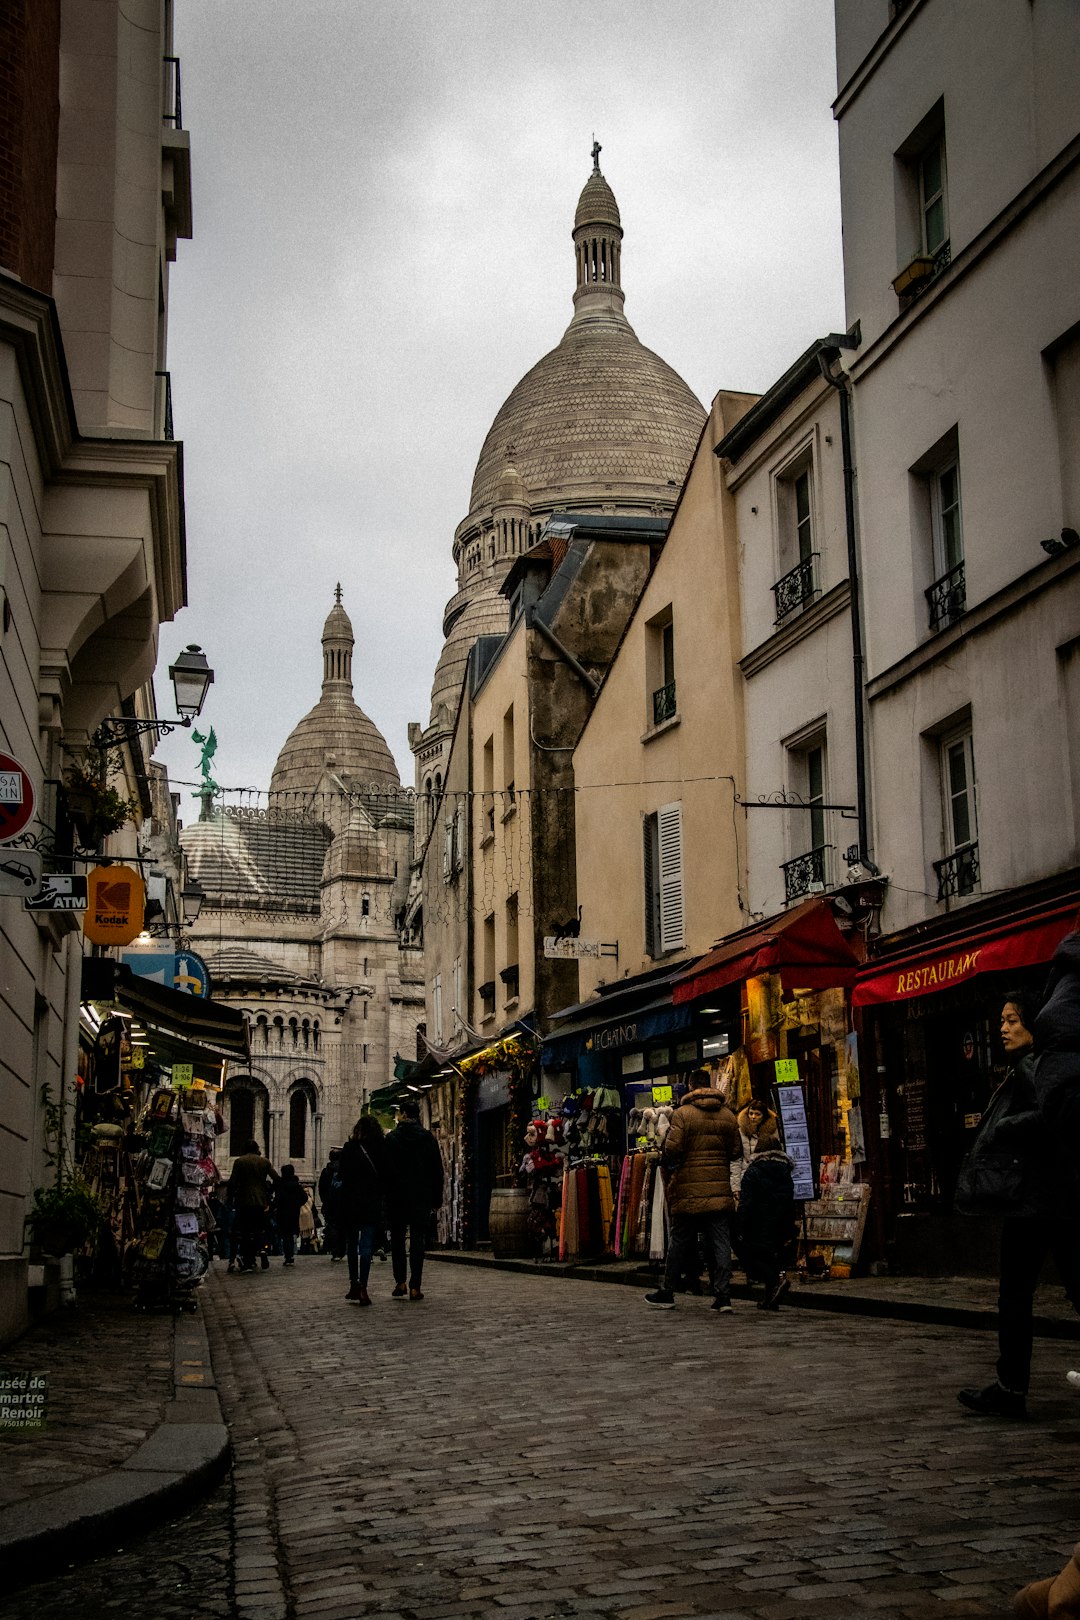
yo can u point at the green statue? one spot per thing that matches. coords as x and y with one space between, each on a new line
209 749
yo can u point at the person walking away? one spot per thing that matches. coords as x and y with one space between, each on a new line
307 1227
696 1164
756 1121
290 1196
766 1218
361 1171
333 1239
1017 1140
414 1187
250 1185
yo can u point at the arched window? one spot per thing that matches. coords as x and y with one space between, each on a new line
305 1029
298 1118
279 1030
315 1035
294 1031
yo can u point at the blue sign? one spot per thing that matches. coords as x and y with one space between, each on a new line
176 970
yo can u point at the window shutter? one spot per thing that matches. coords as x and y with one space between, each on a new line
649 831
669 838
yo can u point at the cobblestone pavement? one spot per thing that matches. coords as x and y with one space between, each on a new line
517 1447
514 1447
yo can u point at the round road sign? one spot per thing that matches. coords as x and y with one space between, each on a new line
17 798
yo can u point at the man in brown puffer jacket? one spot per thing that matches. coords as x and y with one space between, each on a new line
696 1166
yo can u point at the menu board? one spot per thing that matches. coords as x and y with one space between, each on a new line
796 1135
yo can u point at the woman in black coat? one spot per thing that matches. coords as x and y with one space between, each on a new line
290 1196
1029 1117
361 1174
766 1220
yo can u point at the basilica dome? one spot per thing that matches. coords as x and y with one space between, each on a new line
336 734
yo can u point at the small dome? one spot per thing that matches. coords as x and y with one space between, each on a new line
597 205
511 490
338 625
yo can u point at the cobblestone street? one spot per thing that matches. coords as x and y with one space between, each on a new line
530 1447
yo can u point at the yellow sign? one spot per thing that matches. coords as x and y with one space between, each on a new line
661 1094
183 1074
115 898
787 1071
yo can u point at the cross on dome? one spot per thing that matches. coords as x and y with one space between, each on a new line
596 151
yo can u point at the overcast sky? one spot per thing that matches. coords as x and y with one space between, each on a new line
383 195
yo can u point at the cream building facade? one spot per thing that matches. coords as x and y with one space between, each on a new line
92 555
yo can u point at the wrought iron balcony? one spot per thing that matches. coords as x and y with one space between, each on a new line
947 598
796 588
663 704
805 874
958 873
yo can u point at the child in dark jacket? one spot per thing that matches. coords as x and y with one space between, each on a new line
767 1220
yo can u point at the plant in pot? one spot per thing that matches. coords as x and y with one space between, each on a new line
93 804
67 1217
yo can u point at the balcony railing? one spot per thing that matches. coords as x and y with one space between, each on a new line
163 405
947 598
796 588
806 873
958 873
663 703
172 114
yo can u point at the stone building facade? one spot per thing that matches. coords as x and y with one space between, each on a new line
303 926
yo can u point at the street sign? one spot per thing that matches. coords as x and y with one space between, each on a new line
16 798
64 891
20 871
191 975
570 949
114 913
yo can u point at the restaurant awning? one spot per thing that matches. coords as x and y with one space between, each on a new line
804 945
197 1020
925 969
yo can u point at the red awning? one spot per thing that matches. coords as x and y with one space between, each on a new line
923 972
805 945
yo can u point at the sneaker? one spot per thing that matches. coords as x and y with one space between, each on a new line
722 1302
994 1401
772 1299
1074 1379
414 1293
400 1291
662 1298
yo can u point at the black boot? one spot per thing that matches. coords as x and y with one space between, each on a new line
994 1401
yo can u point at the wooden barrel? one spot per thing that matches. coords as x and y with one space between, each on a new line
507 1219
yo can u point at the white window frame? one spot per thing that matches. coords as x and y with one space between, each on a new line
959 739
928 199
940 508
790 531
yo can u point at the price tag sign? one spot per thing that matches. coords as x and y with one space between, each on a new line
787 1071
183 1074
661 1094
542 1105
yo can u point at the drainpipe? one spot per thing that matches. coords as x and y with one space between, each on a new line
534 620
829 349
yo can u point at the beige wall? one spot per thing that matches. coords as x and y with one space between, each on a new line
626 768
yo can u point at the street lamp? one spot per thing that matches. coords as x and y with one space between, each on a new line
191 677
192 896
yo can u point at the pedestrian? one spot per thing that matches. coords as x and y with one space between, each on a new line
766 1219
361 1173
329 1188
307 1228
756 1121
414 1188
696 1164
1016 1166
253 1177
290 1197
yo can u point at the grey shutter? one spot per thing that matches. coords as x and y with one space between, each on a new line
669 839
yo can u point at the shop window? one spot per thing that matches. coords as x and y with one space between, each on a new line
660 689
663 880
958 871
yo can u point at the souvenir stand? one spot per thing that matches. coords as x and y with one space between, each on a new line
175 1173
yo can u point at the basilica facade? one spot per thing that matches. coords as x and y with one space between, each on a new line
303 928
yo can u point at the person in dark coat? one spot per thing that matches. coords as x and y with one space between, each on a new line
361 1171
250 1184
414 1187
766 1220
701 1143
290 1196
333 1236
1030 1119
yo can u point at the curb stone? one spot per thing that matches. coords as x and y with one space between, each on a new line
177 1463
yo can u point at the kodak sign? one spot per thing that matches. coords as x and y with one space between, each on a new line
114 905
